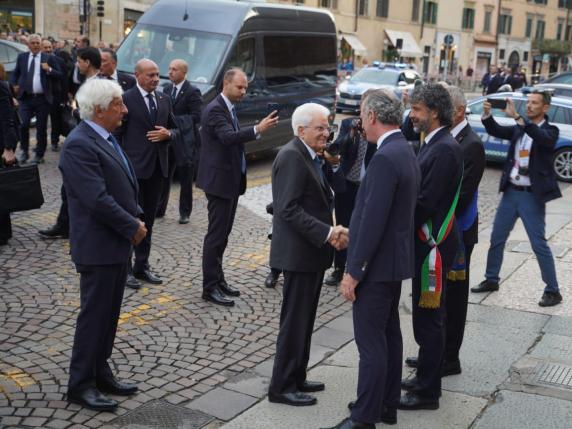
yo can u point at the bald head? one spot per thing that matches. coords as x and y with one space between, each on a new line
178 71
147 74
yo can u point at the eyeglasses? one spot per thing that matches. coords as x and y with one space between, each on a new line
321 128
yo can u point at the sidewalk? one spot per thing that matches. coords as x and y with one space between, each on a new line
516 357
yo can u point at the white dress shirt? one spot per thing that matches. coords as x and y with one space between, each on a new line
144 95
37 80
455 131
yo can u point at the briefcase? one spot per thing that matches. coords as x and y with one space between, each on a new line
20 188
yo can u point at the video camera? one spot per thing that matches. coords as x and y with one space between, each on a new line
335 147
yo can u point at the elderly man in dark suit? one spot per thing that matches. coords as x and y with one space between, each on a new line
302 240
222 176
102 198
528 183
8 141
33 80
436 239
108 70
187 108
147 129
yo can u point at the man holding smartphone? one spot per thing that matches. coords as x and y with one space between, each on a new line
528 183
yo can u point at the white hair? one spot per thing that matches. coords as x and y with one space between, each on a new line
34 36
304 114
96 93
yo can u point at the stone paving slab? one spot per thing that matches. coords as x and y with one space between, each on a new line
559 325
222 403
554 348
249 383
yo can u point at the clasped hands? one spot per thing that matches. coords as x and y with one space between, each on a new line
139 234
339 237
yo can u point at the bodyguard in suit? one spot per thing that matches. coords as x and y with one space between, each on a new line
33 79
495 80
145 134
381 255
441 163
108 70
222 176
302 240
102 197
187 108
528 183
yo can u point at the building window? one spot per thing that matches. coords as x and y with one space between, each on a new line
501 54
362 7
559 29
525 56
565 4
505 24
331 4
382 8
540 30
568 31
430 13
468 18
488 18
541 1
528 31
415 11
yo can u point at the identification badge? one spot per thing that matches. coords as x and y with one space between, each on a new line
523 153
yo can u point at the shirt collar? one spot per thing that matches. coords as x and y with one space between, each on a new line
385 136
98 129
432 134
455 131
143 92
229 105
179 86
114 76
311 151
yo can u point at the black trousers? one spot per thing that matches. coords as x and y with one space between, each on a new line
185 175
300 297
149 194
429 333
63 219
5 226
344 206
101 294
221 213
456 311
56 112
40 108
378 337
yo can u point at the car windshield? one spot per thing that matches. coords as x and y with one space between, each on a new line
375 76
563 78
202 51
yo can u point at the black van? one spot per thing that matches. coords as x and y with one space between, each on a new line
287 52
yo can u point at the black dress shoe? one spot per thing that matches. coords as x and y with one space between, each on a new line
352 424
450 368
311 386
147 276
297 399
184 220
228 290
412 362
271 279
132 282
55 231
335 277
116 387
216 297
549 299
410 384
3 241
389 416
412 401
485 286
93 399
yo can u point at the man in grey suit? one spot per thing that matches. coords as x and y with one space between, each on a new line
302 240
102 190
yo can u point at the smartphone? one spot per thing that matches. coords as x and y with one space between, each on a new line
271 107
497 103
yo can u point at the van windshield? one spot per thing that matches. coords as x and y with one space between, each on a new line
202 51
375 76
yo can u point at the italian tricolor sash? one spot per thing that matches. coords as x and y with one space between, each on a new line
432 269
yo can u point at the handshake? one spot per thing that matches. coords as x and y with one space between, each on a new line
340 237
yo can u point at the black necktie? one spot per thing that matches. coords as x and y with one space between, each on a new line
152 108
174 94
117 148
318 166
234 119
30 77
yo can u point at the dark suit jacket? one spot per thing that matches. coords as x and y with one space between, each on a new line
102 199
125 80
60 85
187 108
8 130
132 135
541 171
381 229
20 74
495 82
474 164
302 212
441 164
222 148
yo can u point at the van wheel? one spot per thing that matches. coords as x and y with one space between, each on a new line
563 164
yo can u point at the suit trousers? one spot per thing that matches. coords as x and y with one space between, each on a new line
101 293
300 297
378 337
56 121
456 311
429 333
344 203
63 219
149 194
185 175
5 226
221 213
40 108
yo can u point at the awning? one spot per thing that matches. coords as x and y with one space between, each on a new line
410 48
355 43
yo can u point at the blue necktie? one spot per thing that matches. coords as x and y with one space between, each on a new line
117 148
152 108
174 94
30 76
236 128
318 166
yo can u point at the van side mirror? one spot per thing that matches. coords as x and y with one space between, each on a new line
467 110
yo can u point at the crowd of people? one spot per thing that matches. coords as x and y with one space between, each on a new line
503 78
401 211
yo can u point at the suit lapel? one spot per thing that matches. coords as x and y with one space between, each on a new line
140 99
180 94
310 164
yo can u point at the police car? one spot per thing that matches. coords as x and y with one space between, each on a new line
560 114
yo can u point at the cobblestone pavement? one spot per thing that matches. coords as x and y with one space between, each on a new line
179 348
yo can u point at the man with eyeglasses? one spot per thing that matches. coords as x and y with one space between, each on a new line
528 183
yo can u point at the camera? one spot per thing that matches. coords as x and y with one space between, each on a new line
357 126
332 147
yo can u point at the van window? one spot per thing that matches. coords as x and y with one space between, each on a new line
293 58
243 57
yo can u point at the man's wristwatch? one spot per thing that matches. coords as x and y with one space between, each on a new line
518 118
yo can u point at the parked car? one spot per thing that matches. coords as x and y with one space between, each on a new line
558 89
560 114
564 77
9 51
349 91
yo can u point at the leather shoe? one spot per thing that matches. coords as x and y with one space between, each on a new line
388 416
412 401
216 297
116 387
132 282
184 220
409 384
147 276
335 277
485 286
412 362
296 399
549 299
227 289
311 386
271 279
352 424
54 232
93 399
450 368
